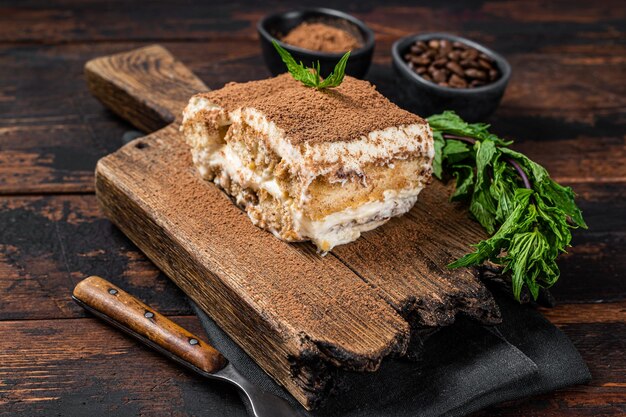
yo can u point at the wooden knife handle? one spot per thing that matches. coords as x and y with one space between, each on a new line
121 309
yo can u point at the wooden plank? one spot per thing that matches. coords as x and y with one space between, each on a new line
33 228
48 244
82 21
564 314
49 236
52 132
84 367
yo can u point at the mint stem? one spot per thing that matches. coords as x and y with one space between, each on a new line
520 171
511 161
462 138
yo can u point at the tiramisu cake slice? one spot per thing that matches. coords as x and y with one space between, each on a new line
308 164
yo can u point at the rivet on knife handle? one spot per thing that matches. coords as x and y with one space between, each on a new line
125 311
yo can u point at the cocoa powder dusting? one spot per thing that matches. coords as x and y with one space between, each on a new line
321 37
305 114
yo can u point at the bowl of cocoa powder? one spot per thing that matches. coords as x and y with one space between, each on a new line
317 34
440 71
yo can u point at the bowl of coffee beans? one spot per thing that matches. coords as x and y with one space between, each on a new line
440 71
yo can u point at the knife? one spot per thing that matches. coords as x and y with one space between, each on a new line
122 310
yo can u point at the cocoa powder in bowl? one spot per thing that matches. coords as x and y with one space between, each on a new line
321 37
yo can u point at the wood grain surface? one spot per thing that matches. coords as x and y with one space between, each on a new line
565 106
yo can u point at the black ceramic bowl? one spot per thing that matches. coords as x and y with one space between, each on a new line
275 26
425 98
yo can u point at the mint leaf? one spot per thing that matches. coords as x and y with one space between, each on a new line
439 143
311 76
336 77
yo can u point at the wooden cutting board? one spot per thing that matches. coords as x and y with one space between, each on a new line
300 316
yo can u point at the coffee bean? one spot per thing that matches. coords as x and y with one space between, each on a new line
454 55
419 70
433 44
493 75
474 73
484 64
457 82
420 60
440 62
445 46
439 76
468 63
476 83
455 68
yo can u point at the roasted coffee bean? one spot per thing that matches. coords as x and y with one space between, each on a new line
451 64
420 60
439 76
474 73
457 82
454 55
440 62
455 68
445 46
468 63
484 64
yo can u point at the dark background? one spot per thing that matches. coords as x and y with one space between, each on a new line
565 106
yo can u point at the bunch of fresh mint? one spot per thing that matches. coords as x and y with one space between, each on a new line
527 213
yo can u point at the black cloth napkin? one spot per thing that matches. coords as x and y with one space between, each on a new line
465 367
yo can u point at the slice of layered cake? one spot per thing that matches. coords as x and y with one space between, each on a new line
307 164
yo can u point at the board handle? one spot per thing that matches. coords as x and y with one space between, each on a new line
124 311
148 87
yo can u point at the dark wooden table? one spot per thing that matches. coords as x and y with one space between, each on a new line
565 105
